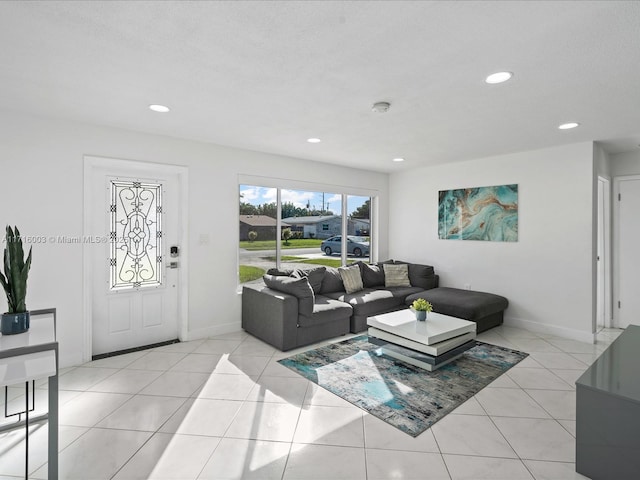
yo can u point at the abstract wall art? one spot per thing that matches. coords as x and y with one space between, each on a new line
480 213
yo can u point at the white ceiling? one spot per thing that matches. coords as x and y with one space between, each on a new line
268 75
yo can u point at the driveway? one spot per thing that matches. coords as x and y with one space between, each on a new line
257 258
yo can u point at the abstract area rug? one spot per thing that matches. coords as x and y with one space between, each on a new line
407 397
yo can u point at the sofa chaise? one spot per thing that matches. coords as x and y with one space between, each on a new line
485 309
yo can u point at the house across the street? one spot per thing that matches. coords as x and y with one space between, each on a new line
263 225
326 226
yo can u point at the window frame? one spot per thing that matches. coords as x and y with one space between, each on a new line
344 191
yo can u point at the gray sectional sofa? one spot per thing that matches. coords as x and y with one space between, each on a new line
296 308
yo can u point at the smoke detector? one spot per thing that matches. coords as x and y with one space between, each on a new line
381 107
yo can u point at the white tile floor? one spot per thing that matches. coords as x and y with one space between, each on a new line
223 408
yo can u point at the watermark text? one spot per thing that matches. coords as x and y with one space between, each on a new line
67 239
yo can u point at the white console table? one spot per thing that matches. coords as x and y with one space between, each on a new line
33 355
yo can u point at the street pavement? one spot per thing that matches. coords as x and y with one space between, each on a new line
258 258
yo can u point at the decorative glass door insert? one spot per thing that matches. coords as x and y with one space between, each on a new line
135 234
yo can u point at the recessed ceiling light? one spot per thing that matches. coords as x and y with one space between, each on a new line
313 140
381 107
568 126
159 108
398 159
498 77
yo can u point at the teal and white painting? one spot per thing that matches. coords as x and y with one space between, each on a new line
480 213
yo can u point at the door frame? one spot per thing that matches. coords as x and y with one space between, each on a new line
606 253
616 243
90 164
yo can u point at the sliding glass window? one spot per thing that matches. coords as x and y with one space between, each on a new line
359 227
290 229
258 231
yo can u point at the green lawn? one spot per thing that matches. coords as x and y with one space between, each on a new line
248 273
327 262
271 244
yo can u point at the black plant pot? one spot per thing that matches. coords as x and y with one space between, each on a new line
13 323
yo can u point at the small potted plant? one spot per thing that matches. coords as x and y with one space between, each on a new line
14 281
421 307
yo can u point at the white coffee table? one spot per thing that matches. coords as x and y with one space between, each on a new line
429 344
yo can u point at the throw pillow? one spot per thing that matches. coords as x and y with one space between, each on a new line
421 276
298 287
351 278
279 273
396 275
315 276
332 281
372 275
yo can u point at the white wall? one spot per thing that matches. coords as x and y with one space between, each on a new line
42 192
601 161
547 274
625 163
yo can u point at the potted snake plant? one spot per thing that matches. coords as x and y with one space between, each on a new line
14 281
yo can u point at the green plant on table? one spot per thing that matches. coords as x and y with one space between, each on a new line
16 271
421 305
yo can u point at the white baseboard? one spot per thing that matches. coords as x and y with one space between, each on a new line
230 327
73 360
579 335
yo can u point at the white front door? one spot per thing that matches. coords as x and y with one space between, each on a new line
135 254
628 251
